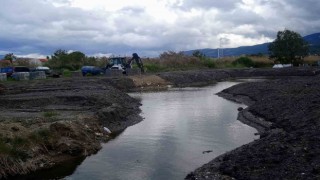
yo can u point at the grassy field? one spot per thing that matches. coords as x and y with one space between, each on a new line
171 61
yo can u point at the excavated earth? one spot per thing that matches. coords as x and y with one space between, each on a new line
286 112
44 123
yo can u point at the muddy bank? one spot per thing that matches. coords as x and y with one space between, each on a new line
286 113
44 123
206 77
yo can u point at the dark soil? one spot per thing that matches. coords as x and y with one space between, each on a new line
206 77
288 147
46 122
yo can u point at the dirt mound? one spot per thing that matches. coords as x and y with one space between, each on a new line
47 122
289 148
2 88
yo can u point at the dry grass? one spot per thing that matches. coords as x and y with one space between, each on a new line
259 61
170 61
311 59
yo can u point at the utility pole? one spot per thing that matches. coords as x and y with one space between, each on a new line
220 48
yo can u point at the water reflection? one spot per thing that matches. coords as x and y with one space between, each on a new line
179 125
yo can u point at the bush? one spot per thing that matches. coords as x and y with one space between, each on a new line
66 73
245 61
50 114
210 63
153 67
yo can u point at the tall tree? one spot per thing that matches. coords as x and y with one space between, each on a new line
76 59
10 57
289 48
61 59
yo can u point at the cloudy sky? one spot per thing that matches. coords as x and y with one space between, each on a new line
148 27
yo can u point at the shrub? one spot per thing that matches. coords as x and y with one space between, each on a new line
14 147
210 63
50 114
152 67
66 73
245 61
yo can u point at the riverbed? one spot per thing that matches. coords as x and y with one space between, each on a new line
183 128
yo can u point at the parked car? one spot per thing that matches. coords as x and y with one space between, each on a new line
282 65
10 70
92 70
47 70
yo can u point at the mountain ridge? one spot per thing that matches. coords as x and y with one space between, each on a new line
312 39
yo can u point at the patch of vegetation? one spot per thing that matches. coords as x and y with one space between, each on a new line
176 61
150 67
14 147
50 114
66 73
4 148
243 61
207 62
40 135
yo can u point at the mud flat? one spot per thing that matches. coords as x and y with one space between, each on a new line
286 113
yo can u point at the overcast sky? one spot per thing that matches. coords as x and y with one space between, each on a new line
148 27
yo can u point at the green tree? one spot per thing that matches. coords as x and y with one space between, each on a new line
10 57
289 47
198 54
91 61
76 60
61 59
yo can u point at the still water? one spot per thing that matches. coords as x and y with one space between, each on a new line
179 125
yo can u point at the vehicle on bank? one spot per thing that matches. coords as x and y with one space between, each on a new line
117 63
91 70
282 65
47 70
11 70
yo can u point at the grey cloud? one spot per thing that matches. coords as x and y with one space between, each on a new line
37 26
209 4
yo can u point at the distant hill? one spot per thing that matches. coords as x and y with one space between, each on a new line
313 39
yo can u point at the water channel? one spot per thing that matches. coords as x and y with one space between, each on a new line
179 126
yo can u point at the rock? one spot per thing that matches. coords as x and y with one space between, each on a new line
204 152
240 108
15 128
107 130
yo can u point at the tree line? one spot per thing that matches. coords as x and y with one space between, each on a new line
288 48
61 59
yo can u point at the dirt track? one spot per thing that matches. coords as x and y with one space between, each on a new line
46 122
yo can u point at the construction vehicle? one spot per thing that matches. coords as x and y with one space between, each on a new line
116 66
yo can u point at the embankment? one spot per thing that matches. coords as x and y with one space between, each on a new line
286 113
47 122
